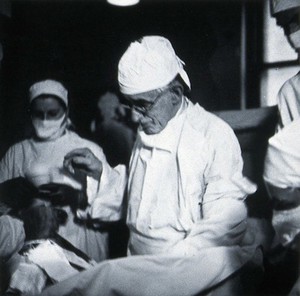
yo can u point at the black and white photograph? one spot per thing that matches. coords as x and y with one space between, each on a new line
149 147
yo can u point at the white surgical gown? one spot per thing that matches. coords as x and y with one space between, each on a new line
282 159
186 214
186 197
186 190
282 170
42 162
288 99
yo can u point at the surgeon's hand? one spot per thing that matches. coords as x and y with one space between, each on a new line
61 194
85 161
17 193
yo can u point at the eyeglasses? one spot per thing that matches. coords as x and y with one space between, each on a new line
141 106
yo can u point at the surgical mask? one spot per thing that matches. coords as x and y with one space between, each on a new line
49 129
295 39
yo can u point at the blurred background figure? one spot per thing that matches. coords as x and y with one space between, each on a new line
113 129
287 14
282 163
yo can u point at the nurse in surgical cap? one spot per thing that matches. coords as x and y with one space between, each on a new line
40 160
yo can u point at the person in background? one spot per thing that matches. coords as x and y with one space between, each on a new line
287 14
282 162
282 179
112 129
186 192
39 161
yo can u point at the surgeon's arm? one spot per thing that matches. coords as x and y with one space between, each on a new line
105 185
223 214
224 224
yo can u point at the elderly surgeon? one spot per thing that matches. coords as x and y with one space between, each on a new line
186 189
186 208
40 159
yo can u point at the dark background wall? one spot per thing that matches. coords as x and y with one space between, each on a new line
80 42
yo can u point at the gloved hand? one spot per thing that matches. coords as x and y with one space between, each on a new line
61 194
17 193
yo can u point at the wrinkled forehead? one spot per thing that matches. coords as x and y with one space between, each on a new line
145 96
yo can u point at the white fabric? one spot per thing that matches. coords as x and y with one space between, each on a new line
149 64
208 172
282 169
56 261
176 171
282 159
42 162
159 275
282 162
48 87
161 228
49 129
289 101
46 260
51 258
196 252
28 279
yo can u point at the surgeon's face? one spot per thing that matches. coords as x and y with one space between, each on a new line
153 109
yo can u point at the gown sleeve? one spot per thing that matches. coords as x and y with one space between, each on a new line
223 211
105 197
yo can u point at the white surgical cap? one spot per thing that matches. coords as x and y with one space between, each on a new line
149 64
282 5
48 87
